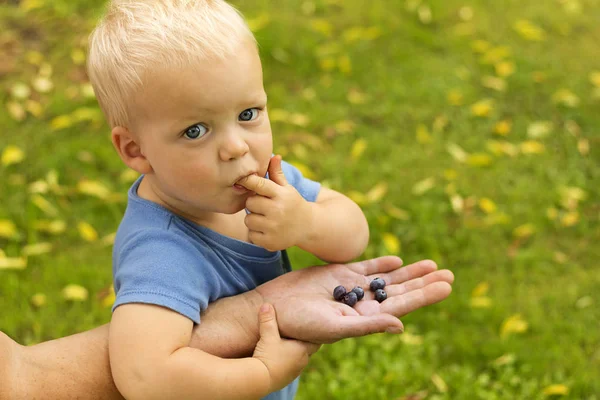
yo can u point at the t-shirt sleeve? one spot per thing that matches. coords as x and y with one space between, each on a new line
157 267
307 188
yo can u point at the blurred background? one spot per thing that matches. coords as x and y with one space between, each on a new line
468 131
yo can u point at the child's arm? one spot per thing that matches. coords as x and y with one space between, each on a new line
333 228
339 231
150 359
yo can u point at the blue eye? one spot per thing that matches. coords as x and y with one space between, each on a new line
195 131
249 114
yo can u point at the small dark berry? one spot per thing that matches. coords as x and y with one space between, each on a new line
339 292
360 293
377 283
350 299
380 295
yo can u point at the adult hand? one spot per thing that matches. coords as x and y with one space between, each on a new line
306 309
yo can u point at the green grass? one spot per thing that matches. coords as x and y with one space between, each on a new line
451 350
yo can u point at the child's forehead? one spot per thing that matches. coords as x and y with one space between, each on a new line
181 93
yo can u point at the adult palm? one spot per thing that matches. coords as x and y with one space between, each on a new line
307 311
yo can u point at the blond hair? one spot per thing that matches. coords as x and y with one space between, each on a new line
138 37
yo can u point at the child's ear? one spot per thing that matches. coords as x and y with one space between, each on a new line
129 150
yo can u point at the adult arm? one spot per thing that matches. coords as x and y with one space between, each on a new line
305 310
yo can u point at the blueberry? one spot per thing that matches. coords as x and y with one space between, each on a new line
360 293
377 283
339 292
350 299
380 295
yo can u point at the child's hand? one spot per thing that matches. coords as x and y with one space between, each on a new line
279 216
285 359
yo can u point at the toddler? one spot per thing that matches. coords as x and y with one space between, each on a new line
180 83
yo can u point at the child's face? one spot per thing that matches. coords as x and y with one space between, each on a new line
203 129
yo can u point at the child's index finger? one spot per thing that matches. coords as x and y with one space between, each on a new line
259 185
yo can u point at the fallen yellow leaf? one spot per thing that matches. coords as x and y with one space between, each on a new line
583 146
110 298
504 359
424 13
299 119
566 98
8 229
93 188
455 97
358 147
16 110
75 293
495 55
505 68
13 263
481 289
258 23
487 205
503 127
494 82
570 219
481 302
457 203
42 84
524 231
532 147
513 324
457 152
439 383
479 160
423 135
396 212
551 213
322 26
529 31
36 249
356 97
87 231
44 205
38 299
423 186
20 91
498 218
391 243
61 122
278 115
499 147
344 126
411 339
358 197
345 64
12 155
377 192
129 176
480 46
595 78
109 239
554 390
482 108
539 129
54 227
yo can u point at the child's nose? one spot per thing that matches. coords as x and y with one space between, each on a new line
233 146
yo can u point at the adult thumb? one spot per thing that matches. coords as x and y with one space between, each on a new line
276 172
268 322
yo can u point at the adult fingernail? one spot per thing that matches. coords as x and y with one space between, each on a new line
395 329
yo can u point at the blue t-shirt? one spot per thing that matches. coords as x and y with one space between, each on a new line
164 259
